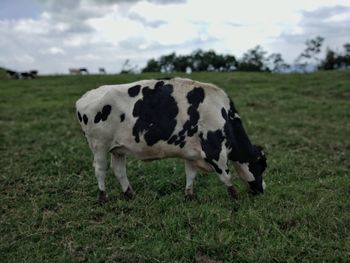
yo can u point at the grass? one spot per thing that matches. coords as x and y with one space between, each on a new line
48 192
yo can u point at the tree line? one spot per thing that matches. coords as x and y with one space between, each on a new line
255 59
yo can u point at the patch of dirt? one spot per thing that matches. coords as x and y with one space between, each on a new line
202 258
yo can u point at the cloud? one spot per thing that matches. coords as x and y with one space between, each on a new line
104 33
330 22
162 2
77 14
56 51
149 23
87 57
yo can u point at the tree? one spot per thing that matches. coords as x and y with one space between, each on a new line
278 63
253 60
230 63
335 60
167 63
128 68
198 60
330 61
152 66
181 63
198 63
346 59
347 49
310 54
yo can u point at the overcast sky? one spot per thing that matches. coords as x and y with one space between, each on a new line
54 35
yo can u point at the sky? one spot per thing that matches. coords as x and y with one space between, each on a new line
54 35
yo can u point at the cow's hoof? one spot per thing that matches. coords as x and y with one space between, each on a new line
102 197
232 192
129 193
189 197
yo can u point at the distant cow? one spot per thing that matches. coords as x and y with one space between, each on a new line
74 71
78 71
27 75
102 71
23 75
34 73
155 119
12 74
84 71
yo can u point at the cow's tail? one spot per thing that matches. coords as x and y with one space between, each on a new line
82 118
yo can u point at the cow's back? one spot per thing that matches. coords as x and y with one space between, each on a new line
152 118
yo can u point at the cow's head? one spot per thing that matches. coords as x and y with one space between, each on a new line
252 172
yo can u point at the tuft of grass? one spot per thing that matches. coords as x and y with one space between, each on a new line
48 192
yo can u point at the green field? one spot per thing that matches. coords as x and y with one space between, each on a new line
48 193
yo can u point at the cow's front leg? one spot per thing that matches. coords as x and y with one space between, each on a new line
221 168
100 164
191 172
119 168
225 177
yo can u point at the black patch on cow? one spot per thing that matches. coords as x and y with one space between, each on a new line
106 110
194 98
156 113
79 116
172 139
190 127
257 167
85 119
97 117
122 117
134 91
256 187
237 140
212 147
215 166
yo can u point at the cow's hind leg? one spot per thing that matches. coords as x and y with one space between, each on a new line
100 165
119 169
191 172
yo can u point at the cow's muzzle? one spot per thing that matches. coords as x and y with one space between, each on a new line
256 187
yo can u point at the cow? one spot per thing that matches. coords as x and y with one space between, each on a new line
12 74
23 75
102 71
34 72
78 71
84 71
27 75
74 71
164 118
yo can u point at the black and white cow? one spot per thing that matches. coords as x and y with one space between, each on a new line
155 119
12 74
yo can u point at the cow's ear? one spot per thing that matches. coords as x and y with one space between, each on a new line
261 151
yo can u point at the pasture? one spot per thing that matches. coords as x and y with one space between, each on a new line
48 192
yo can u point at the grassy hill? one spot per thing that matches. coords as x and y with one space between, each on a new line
48 192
